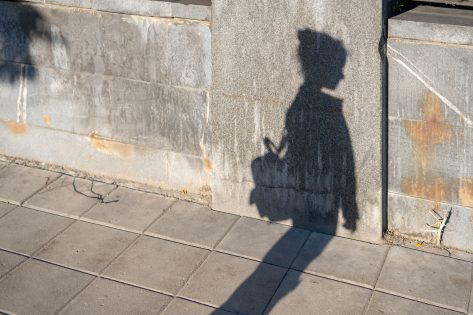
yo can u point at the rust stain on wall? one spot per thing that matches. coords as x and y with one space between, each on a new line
426 135
465 193
17 128
111 147
208 166
437 189
47 120
431 131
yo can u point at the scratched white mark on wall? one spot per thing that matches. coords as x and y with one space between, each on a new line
58 48
22 95
403 61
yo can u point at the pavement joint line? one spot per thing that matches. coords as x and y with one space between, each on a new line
469 305
212 250
136 285
183 297
222 251
53 212
59 310
437 254
48 182
8 202
337 279
14 252
12 202
186 281
229 230
2 311
377 279
13 267
109 225
11 210
287 271
175 240
55 263
424 301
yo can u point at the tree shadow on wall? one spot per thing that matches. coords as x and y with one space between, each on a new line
309 175
21 25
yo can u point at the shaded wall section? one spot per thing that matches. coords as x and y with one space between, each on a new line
430 56
118 95
294 141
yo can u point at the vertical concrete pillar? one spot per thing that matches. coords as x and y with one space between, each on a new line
297 112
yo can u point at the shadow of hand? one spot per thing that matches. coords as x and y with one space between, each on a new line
350 225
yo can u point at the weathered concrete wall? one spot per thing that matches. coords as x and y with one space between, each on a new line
306 75
120 95
430 53
292 131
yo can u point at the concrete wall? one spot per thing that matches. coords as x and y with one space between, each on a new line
308 75
119 95
430 53
282 120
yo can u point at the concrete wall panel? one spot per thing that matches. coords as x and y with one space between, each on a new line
137 87
431 124
316 60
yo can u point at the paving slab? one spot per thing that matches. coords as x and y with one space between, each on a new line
302 293
19 182
265 241
86 246
8 261
110 297
24 230
471 302
130 209
233 283
69 195
193 223
341 258
5 208
157 264
386 304
432 278
39 288
181 306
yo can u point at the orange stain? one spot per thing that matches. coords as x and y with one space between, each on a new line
17 128
111 147
437 189
47 120
208 166
430 131
466 193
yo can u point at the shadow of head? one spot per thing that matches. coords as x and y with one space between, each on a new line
322 58
309 176
21 26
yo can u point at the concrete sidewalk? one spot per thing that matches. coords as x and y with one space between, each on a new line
71 246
